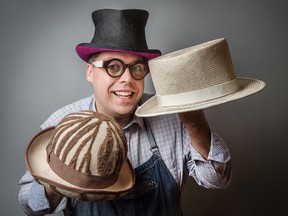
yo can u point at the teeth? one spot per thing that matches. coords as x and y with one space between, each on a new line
123 94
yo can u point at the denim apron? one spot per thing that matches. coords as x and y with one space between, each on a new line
155 192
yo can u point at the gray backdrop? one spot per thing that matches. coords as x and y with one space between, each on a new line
40 72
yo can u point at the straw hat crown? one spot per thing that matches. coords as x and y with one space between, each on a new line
205 65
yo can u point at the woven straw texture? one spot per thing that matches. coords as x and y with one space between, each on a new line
195 78
191 69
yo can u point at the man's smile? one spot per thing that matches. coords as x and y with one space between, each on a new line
123 93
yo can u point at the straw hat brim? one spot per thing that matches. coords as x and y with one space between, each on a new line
36 160
152 106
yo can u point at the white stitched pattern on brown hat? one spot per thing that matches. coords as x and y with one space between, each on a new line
86 153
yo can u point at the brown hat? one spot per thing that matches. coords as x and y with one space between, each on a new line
84 157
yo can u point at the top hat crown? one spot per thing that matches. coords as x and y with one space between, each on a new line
118 31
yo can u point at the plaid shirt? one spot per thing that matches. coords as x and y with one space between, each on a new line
172 140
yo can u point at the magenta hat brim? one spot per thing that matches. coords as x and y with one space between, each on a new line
85 52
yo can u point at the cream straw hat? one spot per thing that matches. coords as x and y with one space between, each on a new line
83 157
195 78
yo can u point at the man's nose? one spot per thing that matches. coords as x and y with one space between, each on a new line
126 76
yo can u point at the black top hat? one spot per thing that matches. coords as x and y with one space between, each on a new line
118 31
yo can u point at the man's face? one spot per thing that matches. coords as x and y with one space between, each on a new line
117 97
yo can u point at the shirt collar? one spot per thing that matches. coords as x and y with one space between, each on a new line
92 104
135 120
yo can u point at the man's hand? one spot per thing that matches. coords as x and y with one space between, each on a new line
198 129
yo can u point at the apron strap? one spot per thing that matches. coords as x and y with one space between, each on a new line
153 145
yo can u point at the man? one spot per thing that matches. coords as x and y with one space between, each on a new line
181 144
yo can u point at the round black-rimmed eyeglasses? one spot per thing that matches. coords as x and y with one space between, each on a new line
116 67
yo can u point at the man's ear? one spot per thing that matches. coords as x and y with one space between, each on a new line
89 72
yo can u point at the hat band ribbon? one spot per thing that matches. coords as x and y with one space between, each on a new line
200 95
76 177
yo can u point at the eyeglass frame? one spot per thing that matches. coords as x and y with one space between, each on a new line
105 64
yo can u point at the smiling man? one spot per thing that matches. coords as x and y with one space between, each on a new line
163 150
118 93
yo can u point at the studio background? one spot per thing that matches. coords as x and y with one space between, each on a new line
40 72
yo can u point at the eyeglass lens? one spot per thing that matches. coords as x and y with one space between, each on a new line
116 68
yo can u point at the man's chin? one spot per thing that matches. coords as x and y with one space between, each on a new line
124 113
